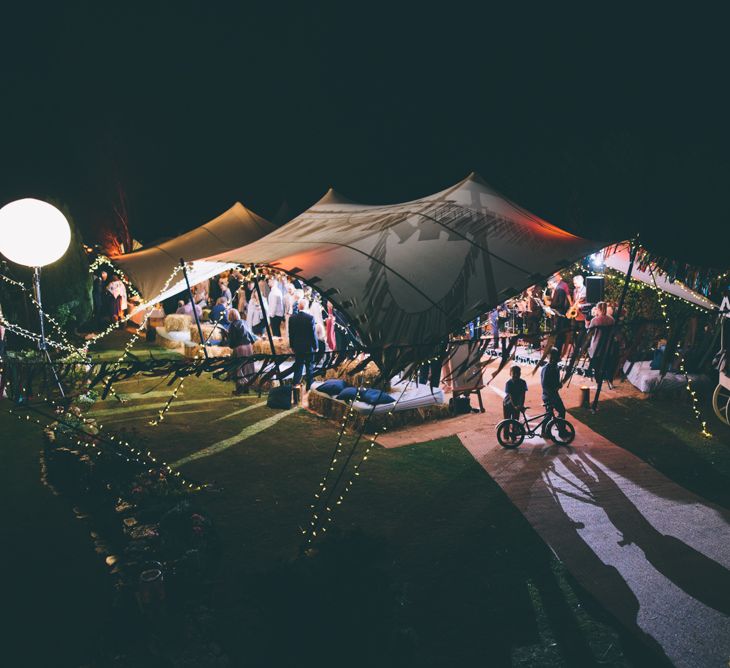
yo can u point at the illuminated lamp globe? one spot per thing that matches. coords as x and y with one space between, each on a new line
33 233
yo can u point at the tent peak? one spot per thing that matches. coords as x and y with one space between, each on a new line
333 197
475 177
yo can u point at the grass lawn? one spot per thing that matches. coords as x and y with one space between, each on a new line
664 433
428 563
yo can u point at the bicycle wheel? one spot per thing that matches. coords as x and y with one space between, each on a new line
560 431
510 433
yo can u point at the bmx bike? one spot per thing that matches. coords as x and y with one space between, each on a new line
512 432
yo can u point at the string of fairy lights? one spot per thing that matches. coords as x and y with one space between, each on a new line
65 344
115 325
322 487
132 454
682 368
325 508
102 260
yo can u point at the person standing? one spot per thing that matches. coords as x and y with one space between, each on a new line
241 340
579 300
118 291
234 283
494 325
98 296
303 341
330 328
600 326
225 291
254 315
560 302
249 289
533 315
275 307
550 378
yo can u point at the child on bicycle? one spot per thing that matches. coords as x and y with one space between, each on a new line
514 394
551 386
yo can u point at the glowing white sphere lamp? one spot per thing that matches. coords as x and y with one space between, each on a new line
34 233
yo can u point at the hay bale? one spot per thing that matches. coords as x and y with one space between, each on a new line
281 346
207 328
191 350
163 339
368 377
178 322
218 351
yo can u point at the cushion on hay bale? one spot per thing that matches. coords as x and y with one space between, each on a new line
412 399
178 322
166 341
331 387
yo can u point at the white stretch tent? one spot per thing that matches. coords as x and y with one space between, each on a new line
149 268
414 272
618 260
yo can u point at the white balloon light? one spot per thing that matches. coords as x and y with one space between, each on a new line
33 233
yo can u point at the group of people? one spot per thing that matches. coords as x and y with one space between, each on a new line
515 390
564 310
109 296
242 307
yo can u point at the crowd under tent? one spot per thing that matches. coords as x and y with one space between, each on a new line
414 272
150 268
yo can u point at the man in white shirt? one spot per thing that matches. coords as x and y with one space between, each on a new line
275 306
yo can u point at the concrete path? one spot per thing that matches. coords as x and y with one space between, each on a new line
655 555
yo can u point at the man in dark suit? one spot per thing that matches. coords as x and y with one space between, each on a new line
303 341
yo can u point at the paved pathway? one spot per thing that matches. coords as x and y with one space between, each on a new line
655 555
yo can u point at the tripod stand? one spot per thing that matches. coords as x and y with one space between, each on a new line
42 345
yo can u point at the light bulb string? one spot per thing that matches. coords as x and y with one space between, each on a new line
327 510
110 439
682 367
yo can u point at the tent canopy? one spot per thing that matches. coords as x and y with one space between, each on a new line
412 273
618 259
150 268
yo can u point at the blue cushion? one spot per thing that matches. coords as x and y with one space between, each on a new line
348 394
376 397
332 387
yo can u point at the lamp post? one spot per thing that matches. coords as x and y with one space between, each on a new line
35 234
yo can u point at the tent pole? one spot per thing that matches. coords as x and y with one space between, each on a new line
611 332
266 320
195 310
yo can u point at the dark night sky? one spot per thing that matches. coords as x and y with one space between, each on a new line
601 123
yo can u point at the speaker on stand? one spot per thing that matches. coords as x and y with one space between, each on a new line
595 289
